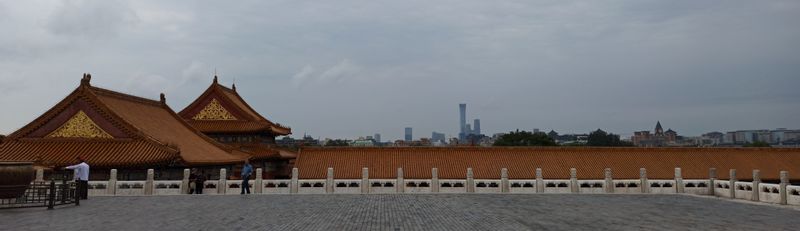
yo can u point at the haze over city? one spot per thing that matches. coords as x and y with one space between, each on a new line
344 69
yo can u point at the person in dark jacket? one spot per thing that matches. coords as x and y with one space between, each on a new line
198 180
247 171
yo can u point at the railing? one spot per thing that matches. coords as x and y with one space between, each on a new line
591 186
44 194
347 186
311 186
782 193
382 186
452 186
793 194
276 186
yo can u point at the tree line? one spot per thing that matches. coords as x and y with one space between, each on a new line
598 138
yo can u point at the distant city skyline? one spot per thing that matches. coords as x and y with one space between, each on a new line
353 71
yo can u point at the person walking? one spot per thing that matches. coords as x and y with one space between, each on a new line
81 177
247 170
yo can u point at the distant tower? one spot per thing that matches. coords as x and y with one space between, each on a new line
377 137
462 108
409 137
476 126
659 129
469 130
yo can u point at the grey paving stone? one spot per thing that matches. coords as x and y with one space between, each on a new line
405 212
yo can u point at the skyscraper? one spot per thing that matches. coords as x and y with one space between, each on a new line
409 137
377 137
476 127
462 134
435 136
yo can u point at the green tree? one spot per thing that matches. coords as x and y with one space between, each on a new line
757 144
337 143
604 139
523 138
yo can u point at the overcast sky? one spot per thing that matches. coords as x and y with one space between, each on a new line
347 68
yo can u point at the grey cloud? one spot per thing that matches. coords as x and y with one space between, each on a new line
360 67
91 18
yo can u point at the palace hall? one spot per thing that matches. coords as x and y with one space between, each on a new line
110 129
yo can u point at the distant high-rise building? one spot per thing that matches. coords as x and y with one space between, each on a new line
377 137
476 127
469 129
409 137
462 109
435 136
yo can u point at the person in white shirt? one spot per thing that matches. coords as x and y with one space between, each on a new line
81 177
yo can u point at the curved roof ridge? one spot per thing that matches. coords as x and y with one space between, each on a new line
121 95
232 98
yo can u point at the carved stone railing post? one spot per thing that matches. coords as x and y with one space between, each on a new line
435 180
712 178
678 181
470 181
222 184
148 185
259 186
400 186
111 189
539 181
40 175
756 182
295 184
329 181
504 186
185 181
784 182
609 181
573 180
732 181
365 180
643 181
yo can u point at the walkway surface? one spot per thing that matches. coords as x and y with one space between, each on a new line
405 212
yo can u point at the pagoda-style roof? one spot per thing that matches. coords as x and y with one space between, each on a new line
555 162
112 129
260 151
221 110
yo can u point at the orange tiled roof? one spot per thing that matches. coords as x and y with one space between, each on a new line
522 162
246 118
217 126
263 151
115 153
141 132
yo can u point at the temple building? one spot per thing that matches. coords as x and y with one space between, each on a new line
115 130
222 114
659 138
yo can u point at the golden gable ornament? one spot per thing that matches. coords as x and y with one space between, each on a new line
79 126
214 111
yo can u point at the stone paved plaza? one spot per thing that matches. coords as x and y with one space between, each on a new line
405 212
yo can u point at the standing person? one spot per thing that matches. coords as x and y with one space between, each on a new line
81 177
247 170
193 181
199 182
